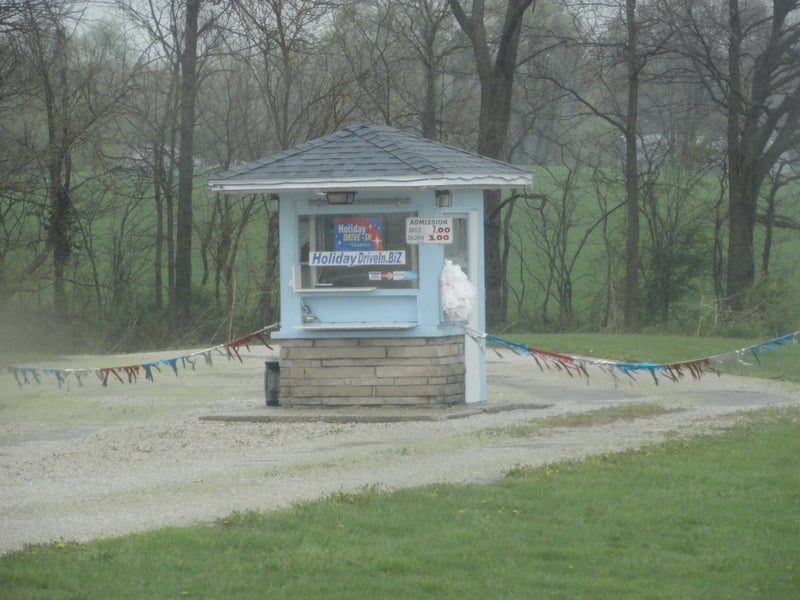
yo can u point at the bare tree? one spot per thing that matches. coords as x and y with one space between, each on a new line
424 29
17 210
496 75
634 62
399 55
234 129
367 41
762 125
778 179
284 55
677 244
73 91
49 55
554 227
182 36
20 200
152 138
621 46
747 59
220 239
183 234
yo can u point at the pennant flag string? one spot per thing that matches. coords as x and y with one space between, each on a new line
25 375
675 371
572 365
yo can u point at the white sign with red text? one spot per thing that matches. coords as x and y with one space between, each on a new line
429 230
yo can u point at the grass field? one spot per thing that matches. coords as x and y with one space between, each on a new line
781 362
710 517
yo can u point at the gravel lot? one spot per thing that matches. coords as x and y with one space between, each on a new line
94 461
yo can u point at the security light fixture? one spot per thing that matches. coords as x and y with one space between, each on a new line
340 197
444 199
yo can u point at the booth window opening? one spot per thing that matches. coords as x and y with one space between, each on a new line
357 251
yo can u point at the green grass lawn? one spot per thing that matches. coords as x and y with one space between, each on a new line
709 517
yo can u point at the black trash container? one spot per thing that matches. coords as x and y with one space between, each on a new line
272 380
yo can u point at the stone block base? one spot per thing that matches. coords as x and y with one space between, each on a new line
372 372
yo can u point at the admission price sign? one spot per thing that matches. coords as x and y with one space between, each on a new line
429 230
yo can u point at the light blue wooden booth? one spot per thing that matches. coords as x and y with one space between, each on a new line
368 217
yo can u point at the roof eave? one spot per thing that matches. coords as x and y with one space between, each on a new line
415 182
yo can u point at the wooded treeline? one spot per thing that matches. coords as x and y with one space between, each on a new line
665 136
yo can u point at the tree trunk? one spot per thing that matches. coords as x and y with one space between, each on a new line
183 246
268 306
60 238
769 223
631 291
497 80
158 171
763 125
59 228
429 115
494 275
741 257
740 236
493 123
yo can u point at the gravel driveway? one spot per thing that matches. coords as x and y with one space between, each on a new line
93 461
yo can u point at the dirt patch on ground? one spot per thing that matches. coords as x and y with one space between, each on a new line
85 462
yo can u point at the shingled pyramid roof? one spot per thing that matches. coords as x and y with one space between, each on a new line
370 157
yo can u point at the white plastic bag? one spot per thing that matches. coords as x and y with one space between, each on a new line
458 294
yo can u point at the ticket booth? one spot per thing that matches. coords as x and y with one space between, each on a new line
381 266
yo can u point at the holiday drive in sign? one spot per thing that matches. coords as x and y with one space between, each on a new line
357 259
357 241
354 234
